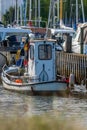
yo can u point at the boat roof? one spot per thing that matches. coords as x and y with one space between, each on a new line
15 30
42 40
60 30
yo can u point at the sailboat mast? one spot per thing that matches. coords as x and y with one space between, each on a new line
76 12
61 10
83 11
35 12
53 17
30 10
58 9
39 12
21 14
15 10
24 11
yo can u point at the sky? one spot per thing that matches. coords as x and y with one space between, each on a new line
5 4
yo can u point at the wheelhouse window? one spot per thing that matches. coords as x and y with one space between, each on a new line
31 52
15 39
18 36
45 52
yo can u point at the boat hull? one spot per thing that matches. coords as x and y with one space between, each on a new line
50 87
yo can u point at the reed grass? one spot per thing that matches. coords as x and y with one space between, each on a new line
39 123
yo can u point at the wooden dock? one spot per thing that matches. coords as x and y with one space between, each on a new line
67 63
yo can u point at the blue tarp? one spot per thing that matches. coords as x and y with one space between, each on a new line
19 62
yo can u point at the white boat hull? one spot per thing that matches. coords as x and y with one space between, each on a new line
38 87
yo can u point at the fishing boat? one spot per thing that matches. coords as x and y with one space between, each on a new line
39 75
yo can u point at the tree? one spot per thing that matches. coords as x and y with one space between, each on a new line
5 18
9 16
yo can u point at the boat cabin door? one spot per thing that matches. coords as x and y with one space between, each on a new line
42 60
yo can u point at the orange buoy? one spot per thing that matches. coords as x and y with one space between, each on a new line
18 80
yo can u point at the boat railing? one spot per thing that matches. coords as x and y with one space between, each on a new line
17 78
5 67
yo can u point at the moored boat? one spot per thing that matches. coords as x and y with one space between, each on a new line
39 76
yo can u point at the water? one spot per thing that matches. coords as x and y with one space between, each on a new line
20 105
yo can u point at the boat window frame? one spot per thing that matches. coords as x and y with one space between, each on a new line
45 55
18 35
1 36
31 52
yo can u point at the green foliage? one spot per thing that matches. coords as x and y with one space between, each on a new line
40 123
9 16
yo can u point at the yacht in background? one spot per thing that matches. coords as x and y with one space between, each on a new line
77 39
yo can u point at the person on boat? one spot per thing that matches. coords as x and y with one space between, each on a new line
20 55
26 48
17 57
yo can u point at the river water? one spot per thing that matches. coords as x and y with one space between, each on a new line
20 104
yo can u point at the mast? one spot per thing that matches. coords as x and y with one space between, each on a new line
30 10
48 24
52 13
61 11
15 10
58 9
24 11
53 17
83 16
82 10
76 12
21 13
39 12
0 11
35 12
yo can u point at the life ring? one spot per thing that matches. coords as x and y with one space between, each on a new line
18 80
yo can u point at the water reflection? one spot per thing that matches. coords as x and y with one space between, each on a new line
20 105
